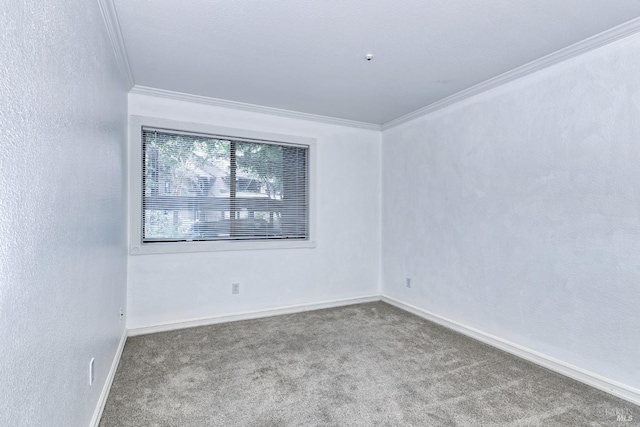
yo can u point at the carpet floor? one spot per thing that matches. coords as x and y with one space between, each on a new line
360 365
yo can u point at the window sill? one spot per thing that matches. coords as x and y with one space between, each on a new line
225 245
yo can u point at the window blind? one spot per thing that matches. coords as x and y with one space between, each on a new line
207 187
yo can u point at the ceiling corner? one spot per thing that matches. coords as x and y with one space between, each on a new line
110 16
621 31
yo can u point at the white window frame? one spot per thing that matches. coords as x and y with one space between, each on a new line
136 245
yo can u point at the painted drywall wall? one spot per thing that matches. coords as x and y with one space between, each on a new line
62 210
164 288
517 211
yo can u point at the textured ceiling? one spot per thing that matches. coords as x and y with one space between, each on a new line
309 56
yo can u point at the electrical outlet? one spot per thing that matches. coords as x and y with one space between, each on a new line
92 371
235 288
407 282
121 314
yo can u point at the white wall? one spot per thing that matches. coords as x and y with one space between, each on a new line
62 210
517 212
166 288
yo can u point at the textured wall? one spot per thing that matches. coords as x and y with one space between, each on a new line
517 211
62 210
345 263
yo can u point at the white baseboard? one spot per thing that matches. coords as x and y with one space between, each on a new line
204 321
102 401
594 380
607 385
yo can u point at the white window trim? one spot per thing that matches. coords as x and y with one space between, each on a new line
137 247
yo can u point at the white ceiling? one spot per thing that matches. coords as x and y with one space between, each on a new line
309 56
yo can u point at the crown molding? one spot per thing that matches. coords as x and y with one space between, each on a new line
108 10
609 36
180 96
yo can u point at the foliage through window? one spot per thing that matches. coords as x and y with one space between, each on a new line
203 187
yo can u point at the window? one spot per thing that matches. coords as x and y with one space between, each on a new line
200 188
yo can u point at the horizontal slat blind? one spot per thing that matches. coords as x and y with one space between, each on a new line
200 187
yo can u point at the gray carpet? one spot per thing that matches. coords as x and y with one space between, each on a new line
361 365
